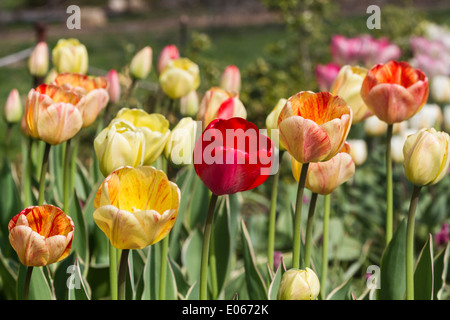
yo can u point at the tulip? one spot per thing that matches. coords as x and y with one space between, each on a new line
430 116
38 61
358 150
53 114
395 91
299 284
231 79
220 104
94 89
272 122
442 237
136 207
179 77
41 235
325 75
440 88
69 55
426 157
51 76
114 86
141 63
168 53
189 104
154 127
446 115
13 108
313 126
180 145
347 85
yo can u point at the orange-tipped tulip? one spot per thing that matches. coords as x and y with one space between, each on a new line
395 91
136 207
313 126
41 235
53 114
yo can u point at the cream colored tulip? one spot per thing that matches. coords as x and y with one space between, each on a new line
299 284
272 121
440 88
179 77
180 145
70 55
13 108
141 64
358 150
38 61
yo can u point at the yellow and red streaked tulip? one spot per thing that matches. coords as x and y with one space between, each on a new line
395 91
41 235
347 85
220 104
231 79
324 177
70 55
189 104
38 61
114 89
314 126
180 145
53 114
13 110
136 207
179 77
272 121
155 130
426 157
168 53
141 64
299 284
93 89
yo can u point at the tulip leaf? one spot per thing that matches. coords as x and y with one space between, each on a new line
181 283
61 277
342 292
199 204
39 286
440 266
80 243
275 284
256 287
191 255
423 274
76 285
393 267
8 279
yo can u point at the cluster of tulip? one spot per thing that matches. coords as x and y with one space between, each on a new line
136 205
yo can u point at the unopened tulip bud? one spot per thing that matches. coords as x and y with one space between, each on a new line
114 86
231 79
167 54
426 157
272 120
13 109
189 104
299 284
141 63
180 145
358 150
38 61
69 55
180 77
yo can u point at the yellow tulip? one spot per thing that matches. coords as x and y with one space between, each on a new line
179 77
272 121
136 207
299 284
141 64
180 145
70 55
426 158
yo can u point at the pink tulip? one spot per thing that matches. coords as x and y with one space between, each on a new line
114 85
231 79
325 75
13 108
168 53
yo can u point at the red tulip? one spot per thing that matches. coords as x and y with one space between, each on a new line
232 156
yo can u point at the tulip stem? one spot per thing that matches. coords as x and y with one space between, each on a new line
272 220
66 177
26 147
205 249
309 225
43 173
26 288
410 244
326 223
298 217
123 274
163 271
113 271
389 188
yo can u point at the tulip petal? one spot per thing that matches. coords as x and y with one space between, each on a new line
29 246
96 101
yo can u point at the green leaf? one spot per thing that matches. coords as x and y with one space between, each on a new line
8 279
423 274
39 286
275 284
191 255
78 289
393 267
256 287
342 292
199 203
440 266
80 243
181 283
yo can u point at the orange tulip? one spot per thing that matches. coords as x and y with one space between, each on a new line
395 91
313 126
41 235
94 89
53 114
136 207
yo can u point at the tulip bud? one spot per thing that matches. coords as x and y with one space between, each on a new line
231 79
358 150
141 63
13 107
38 61
440 88
114 86
167 54
180 145
426 157
299 284
180 77
189 104
69 55
272 121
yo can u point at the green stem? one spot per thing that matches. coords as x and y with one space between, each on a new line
205 249
212 267
272 220
389 187
410 244
298 217
122 281
163 272
326 222
27 198
309 225
113 271
43 173
66 177
26 288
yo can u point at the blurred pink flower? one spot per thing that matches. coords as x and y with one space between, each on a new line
431 56
114 85
325 75
169 52
442 237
